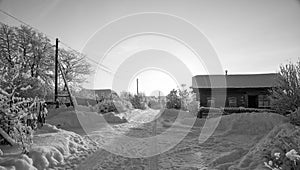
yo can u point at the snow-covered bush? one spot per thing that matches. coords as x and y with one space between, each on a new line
173 100
295 117
278 160
154 103
106 106
122 105
138 101
286 91
13 127
180 99
282 155
22 162
113 105
193 107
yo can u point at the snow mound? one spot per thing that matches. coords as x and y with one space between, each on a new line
114 118
63 118
140 116
240 133
239 139
253 159
20 162
243 123
45 157
84 117
250 123
52 146
65 142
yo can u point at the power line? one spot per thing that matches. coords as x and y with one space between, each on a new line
103 67
85 56
19 20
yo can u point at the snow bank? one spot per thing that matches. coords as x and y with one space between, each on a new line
114 118
65 142
51 148
63 118
250 123
240 133
239 138
140 116
45 157
253 159
85 117
17 162
243 123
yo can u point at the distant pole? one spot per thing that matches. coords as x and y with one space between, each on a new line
137 86
56 74
159 96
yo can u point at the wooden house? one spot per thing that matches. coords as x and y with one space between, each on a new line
240 90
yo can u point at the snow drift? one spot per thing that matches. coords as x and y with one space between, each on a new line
52 146
84 116
238 138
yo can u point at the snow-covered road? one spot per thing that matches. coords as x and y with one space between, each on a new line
143 124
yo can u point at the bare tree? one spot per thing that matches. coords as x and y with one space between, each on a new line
74 66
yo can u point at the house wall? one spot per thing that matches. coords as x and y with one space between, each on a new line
240 94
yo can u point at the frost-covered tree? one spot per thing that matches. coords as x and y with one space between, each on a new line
181 98
173 100
74 67
286 92
13 110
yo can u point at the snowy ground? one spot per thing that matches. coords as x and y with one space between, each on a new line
232 146
234 137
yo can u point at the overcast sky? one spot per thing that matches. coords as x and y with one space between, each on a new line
249 36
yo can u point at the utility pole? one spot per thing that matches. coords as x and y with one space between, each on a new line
137 86
159 95
56 74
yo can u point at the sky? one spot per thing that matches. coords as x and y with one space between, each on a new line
165 43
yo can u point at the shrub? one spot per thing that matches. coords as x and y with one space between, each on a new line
138 101
282 156
12 116
229 110
173 100
155 104
106 106
181 99
286 92
122 105
193 107
295 117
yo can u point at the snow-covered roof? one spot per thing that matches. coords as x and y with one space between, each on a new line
234 81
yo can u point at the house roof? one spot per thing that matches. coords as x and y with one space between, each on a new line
103 92
234 81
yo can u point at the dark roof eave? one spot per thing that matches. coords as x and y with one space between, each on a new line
232 87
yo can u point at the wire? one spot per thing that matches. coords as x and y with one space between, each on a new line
19 20
103 67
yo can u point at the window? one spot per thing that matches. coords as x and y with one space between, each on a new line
210 102
232 101
263 101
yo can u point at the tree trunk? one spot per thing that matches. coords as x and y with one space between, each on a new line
10 140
